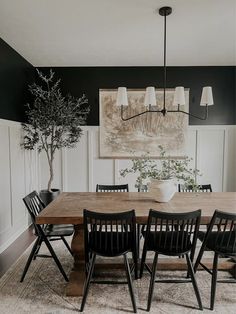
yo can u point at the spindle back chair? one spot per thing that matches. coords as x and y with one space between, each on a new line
172 235
112 188
221 239
200 188
109 235
44 233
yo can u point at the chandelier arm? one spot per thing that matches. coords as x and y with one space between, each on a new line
161 111
193 115
136 115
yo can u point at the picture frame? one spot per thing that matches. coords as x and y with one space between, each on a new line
143 134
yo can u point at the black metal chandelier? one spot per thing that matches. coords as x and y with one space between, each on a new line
150 95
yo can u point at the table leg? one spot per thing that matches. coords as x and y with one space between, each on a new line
77 275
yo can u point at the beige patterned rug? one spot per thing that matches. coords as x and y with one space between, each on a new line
43 291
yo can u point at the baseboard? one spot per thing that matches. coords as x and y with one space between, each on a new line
16 249
13 237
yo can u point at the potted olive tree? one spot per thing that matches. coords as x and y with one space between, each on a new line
53 123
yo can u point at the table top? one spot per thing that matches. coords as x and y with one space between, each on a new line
68 206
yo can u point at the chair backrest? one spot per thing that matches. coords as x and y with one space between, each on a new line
112 188
200 188
223 230
110 234
173 233
143 188
34 206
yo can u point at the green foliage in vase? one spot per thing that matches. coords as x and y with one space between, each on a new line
53 120
142 166
169 168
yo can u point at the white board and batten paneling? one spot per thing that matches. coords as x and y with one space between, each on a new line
18 177
213 149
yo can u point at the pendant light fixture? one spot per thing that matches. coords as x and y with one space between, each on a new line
150 95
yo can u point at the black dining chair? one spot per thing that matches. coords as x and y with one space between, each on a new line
189 188
220 238
122 188
172 235
45 233
109 235
200 188
112 188
141 227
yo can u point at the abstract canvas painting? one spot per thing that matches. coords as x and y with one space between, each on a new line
143 134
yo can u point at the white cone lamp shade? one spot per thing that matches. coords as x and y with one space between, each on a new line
179 97
207 97
122 98
150 97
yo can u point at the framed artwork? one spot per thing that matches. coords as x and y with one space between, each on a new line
143 134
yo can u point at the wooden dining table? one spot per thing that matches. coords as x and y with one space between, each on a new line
68 207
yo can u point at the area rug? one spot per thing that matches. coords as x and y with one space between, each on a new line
43 291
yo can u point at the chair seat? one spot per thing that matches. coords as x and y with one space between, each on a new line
110 243
220 242
59 230
167 242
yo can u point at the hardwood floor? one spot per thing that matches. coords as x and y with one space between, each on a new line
14 251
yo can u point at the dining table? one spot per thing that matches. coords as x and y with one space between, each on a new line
68 208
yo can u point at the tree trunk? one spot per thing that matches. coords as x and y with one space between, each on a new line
50 162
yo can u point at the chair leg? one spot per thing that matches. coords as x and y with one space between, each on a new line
55 258
38 248
214 280
88 280
87 259
143 262
194 283
135 260
138 239
199 257
192 253
32 253
128 275
142 230
67 245
152 282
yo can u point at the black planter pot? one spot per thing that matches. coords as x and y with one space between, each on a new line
48 196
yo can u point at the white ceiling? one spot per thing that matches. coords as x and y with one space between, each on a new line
120 32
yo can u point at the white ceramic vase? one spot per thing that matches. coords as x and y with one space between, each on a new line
162 190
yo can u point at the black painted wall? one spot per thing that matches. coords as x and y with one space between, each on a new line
15 75
88 80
